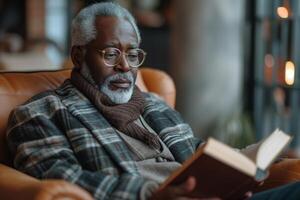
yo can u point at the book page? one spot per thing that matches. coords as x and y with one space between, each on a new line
271 148
251 151
231 157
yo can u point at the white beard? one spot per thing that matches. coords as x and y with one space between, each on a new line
118 96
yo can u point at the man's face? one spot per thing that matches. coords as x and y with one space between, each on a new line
116 82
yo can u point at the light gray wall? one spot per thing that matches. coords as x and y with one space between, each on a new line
207 61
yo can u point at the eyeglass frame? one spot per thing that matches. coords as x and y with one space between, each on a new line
120 57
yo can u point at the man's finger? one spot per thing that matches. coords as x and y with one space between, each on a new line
184 188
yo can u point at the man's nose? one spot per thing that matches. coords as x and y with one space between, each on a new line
123 66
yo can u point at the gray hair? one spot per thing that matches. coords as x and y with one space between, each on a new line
83 25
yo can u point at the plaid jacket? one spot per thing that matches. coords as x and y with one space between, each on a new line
60 134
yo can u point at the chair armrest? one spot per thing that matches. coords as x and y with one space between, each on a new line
16 185
281 173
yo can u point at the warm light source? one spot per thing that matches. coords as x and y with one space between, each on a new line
289 73
283 12
269 60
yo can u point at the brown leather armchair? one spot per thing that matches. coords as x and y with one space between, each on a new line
16 88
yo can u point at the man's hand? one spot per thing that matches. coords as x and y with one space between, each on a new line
60 190
179 192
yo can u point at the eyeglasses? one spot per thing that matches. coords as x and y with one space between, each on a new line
112 56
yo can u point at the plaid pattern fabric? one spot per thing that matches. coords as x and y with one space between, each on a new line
60 134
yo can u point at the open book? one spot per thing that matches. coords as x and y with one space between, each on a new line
224 172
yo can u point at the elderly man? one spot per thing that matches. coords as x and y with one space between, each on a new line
98 130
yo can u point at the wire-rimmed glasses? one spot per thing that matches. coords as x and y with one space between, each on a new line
112 56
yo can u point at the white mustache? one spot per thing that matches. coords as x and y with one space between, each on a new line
127 76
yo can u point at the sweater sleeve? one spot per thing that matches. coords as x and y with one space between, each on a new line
42 150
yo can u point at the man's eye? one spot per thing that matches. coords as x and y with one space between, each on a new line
133 55
111 55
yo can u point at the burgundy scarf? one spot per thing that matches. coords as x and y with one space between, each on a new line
120 116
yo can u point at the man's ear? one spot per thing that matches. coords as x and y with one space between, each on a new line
77 56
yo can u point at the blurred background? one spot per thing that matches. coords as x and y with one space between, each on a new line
234 62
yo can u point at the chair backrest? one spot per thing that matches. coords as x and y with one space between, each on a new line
17 87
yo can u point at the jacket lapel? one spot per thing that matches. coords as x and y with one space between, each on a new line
166 122
81 108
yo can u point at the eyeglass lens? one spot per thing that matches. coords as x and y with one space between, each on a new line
134 57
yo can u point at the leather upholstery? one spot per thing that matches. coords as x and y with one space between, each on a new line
16 88
15 185
286 171
160 83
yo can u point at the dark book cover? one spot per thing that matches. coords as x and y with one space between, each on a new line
216 179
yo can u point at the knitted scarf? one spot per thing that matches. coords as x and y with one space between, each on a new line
120 116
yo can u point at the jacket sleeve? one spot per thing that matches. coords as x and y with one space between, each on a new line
42 150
